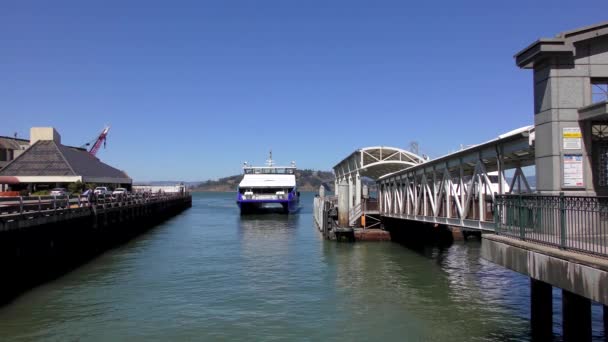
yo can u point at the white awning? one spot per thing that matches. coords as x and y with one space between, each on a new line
375 162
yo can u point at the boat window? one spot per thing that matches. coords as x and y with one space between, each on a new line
269 171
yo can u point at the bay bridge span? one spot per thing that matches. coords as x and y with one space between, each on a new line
555 229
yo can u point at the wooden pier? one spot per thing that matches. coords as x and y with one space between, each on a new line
44 237
31 211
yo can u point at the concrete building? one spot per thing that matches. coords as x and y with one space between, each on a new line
571 157
11 148
571 110
48 163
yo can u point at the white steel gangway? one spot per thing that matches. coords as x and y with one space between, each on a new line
459 189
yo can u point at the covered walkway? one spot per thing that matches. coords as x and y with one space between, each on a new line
371 162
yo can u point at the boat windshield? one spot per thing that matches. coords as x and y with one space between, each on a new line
269 170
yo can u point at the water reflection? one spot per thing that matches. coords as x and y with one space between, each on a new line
212 274
435 294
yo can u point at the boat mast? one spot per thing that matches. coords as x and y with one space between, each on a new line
269 162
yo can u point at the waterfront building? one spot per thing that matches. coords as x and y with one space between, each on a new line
48 163
11 148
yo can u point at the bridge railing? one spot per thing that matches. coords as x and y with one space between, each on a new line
23 204
20 205
355 213
577 223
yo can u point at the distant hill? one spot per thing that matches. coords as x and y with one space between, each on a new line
308 180
160 183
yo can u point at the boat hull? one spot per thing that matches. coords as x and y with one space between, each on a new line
262 206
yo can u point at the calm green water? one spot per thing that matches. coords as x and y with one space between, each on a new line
209 274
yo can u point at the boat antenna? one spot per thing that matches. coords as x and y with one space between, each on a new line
269 162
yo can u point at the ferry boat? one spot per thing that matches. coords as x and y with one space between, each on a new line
268 187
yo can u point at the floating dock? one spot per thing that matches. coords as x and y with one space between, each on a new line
325 217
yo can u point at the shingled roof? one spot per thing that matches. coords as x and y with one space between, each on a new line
48 158
12 143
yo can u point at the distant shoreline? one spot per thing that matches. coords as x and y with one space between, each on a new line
308 180
234 191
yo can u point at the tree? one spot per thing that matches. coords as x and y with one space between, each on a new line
75 187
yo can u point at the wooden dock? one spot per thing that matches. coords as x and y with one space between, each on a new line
42 238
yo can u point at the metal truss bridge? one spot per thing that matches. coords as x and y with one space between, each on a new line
460 189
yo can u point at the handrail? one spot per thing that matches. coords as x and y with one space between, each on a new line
355 213
43 204
577 223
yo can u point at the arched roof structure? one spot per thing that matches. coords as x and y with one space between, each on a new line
375 162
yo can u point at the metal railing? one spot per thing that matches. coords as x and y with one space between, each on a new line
354 214
577 223
14 206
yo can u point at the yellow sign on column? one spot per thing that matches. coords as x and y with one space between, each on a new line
572 138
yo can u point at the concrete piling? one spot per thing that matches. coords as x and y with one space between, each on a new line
343 204
606 321
541 302
576 312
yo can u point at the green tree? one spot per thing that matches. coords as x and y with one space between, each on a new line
75 188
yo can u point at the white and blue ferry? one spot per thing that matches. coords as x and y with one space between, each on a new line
268 187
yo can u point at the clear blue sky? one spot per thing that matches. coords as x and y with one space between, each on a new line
194 88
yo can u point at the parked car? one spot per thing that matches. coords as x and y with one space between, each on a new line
101 190
120 191
59 192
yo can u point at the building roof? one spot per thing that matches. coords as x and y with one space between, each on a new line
13 143
517 150
48 158
562 44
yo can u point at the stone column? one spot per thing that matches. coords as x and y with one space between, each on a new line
351 189
343 205
562 85
357 189
336 186
541 300
322 191
576 311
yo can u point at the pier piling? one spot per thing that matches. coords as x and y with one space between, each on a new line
541 302
343 204
576 317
